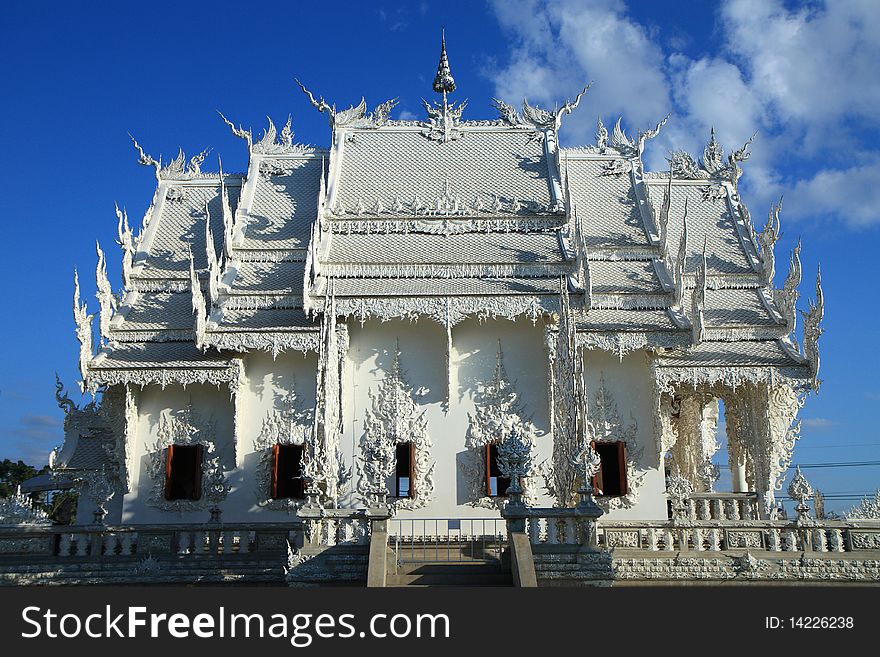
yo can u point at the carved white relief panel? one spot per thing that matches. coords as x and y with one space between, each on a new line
607 426
287 424
498 411
393 418
186 427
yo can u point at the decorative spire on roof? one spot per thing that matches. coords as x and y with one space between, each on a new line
622 143
443 82
444 119
355 117
546 120
177 169
601 135
680 265
215 264
199 306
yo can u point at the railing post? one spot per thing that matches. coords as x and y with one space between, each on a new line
552 531
534 530
652 539
183 538
522 561
698 539
773 542
837 540
715 540
668 539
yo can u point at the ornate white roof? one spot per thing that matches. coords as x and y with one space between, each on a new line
445 218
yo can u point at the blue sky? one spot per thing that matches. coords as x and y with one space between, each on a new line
78 80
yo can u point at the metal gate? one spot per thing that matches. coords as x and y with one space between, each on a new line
447 540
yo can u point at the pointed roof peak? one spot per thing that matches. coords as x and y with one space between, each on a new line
443 82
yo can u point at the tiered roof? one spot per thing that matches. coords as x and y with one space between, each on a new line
446 219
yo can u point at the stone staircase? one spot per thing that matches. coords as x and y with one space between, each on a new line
449 565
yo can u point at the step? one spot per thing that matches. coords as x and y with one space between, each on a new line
450 574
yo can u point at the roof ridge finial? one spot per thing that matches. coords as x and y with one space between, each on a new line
443 82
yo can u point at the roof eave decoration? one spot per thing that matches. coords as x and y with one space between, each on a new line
678 264
698 300
178 169
786 298
535 117
128 243
199 307
621 143
272 142
582 266
813 330
106 298
354 116
767 238
711 167
230 373
83 321
445 310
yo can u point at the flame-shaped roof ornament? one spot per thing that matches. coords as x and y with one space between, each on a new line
444 120
444 83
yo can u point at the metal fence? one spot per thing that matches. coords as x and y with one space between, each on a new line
447 540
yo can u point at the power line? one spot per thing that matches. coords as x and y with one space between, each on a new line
846 464
836 446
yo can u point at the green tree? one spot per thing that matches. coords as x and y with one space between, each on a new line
12 474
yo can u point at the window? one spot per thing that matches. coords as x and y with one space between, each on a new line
183 472
496 485
404 473
287 475
611 479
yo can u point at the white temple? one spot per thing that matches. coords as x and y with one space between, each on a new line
367 325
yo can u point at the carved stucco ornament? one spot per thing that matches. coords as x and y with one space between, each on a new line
287 424
499 412
800 490
393 418
712 167
186 427
271 142
607 426
679 490
19 509
568 406
178 169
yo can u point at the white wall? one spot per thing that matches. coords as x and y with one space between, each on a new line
208 401
630 383
423 359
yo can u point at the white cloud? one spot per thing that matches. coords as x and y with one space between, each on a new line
805 79
558 47
851 194
810 64
818 423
